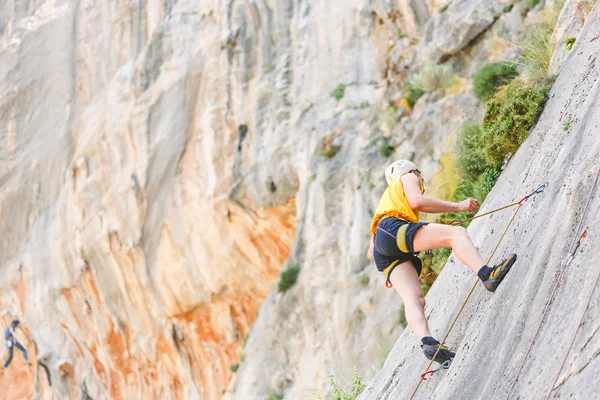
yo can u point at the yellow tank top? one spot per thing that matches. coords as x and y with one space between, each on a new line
393 203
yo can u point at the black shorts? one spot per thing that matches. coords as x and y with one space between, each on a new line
394 242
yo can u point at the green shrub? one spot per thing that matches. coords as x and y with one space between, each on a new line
274 395
508 117
566 126
363 105
491 76
530 4
412 93
469 149
234 367
569 42
440 257
425 288
402 317
340 393
507 9
385 149
288 278
363 280
490 177
338 92
444 8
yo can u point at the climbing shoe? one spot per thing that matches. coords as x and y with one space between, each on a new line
444 354
499 272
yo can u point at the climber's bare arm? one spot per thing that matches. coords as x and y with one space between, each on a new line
420 202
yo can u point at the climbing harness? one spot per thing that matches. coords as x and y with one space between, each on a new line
519 204
445 365
564 264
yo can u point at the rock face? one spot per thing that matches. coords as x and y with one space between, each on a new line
495 332
128 249
159 165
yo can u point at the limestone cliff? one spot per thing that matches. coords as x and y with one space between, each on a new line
160 164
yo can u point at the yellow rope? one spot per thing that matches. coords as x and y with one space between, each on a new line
472 289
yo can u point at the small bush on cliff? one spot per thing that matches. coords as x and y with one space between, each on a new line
569 42
412 93
338 92
274 395
491 76
288 278
234 367
385 149
508 117
339 393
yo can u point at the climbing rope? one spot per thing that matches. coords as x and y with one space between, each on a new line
519 204
539 189
587 304
564 265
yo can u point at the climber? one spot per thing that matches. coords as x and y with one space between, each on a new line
9 336
398 237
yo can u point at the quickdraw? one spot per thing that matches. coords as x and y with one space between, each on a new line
445 365
539 189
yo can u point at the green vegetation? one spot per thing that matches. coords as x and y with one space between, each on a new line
274 395
444 7
402 317
340 393
246 339
385 149
530 4
508 117
338 92
490 177
569 42
537 49
491 76
363 280
363 105
507 9
566 126
440 256
234 367
288 278
412 93
388 120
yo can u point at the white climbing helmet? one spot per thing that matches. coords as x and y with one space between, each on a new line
397 169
